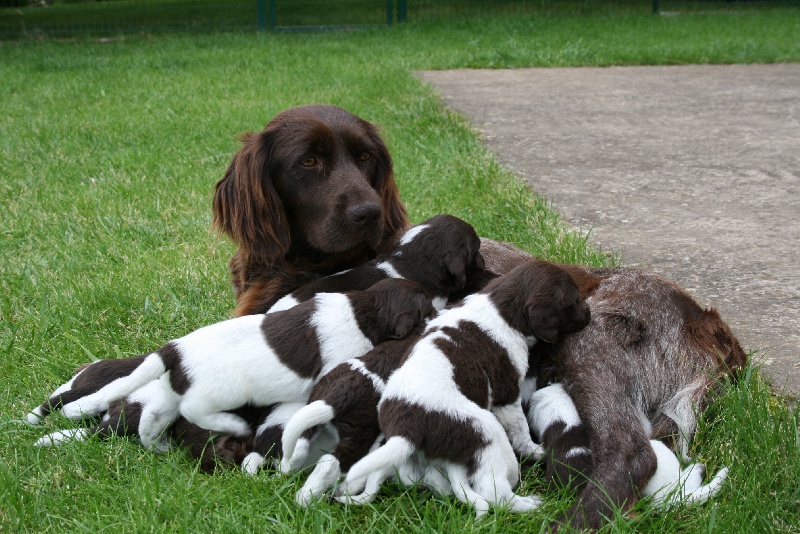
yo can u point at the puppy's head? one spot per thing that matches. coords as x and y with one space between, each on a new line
540 299
316 176
443 254
399 307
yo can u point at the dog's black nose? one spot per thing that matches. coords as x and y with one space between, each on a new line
364 214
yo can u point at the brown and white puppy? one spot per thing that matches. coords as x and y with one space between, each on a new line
346 400
441 253
456 397
262 360
310 195
649 349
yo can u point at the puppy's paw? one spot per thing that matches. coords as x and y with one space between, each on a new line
252 463
305 497
57 438
524 504
35 416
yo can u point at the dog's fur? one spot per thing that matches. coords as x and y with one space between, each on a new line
266 359
456 397
649 349
310 195
553 417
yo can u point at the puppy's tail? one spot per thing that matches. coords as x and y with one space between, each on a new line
703 493
309 416
90 405
381 462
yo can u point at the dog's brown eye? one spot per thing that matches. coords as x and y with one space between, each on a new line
365 156
309 162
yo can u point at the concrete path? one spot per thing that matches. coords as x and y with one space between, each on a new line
691 171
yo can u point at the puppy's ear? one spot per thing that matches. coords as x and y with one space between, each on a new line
544 320
246 206
411 315
403 325
455 261
395 218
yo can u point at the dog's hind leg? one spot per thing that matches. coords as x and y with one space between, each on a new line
323 478
623 458
463 491
497 474
197 411
515 424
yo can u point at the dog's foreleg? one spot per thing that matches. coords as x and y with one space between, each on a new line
224 422
515 425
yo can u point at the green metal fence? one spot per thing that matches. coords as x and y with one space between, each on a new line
26 18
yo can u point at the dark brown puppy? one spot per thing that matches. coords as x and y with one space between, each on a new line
310 195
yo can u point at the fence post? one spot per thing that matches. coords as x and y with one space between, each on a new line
273 14
656 7
389 12
402 10
261 15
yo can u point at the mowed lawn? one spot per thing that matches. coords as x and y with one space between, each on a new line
109 152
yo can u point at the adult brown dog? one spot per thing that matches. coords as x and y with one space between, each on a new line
310 195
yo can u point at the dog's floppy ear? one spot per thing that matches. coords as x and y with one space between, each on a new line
246 206
395 217
544 320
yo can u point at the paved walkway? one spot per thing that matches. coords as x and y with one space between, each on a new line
691 171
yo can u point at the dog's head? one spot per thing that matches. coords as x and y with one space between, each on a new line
443 254
399 306
316 176
540 299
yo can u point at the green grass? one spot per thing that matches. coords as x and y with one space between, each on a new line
109 152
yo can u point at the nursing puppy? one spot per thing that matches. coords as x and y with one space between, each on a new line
555 420
261 360
456 397
344 402
441 253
